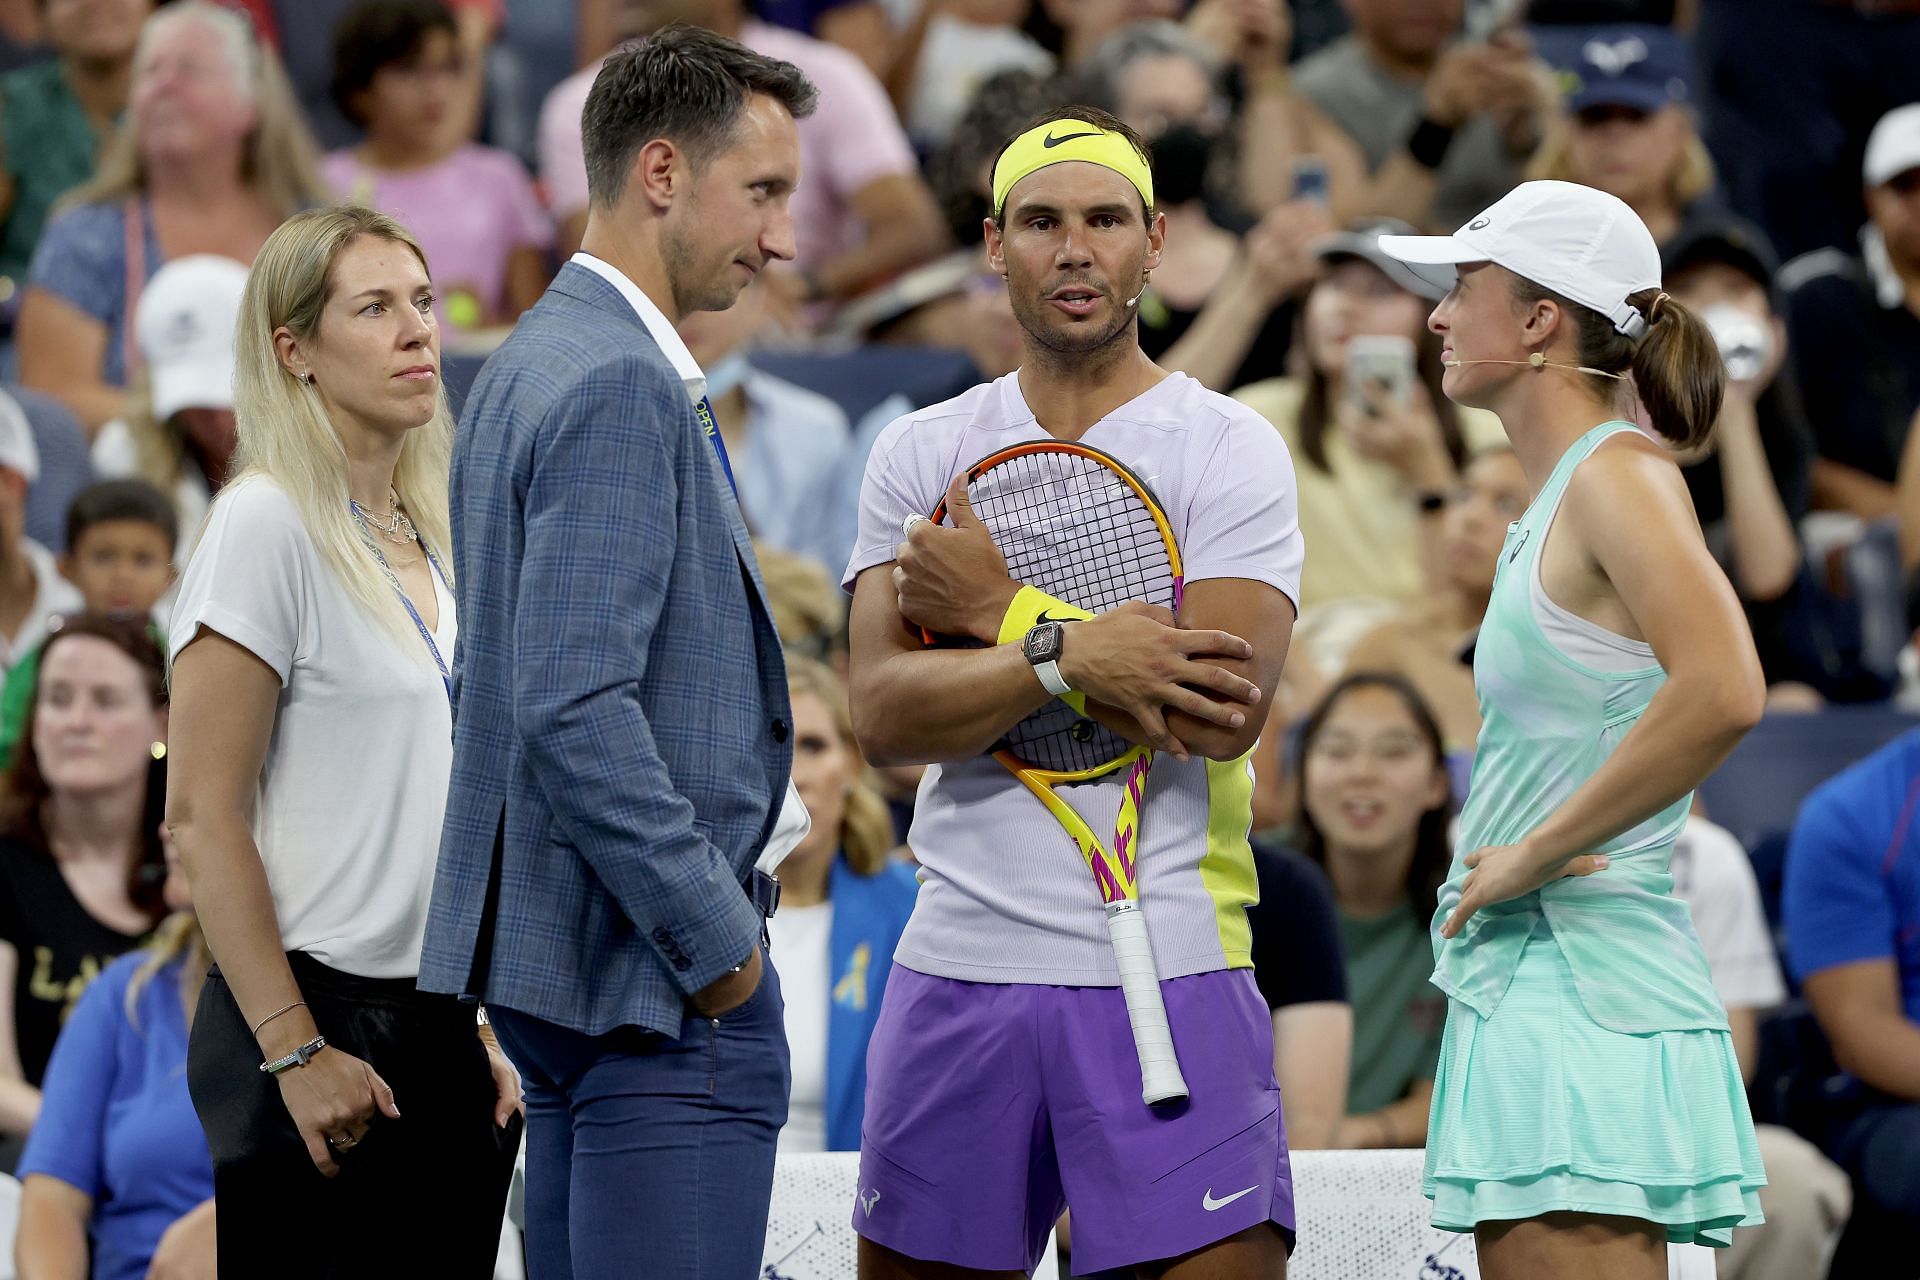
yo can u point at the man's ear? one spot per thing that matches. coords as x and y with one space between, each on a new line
658 173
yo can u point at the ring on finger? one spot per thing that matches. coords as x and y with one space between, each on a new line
907 526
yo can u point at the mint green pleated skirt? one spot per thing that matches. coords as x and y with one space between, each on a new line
1540 1109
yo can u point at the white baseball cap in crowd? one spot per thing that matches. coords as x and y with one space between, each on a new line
18 452
184 324
1894 146
1583 244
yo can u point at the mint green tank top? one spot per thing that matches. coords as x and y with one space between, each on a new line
1548 722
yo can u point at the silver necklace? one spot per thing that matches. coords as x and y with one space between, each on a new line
393 526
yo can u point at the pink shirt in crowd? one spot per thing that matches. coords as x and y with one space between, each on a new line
469 212
852 139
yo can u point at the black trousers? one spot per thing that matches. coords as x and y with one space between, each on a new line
420 1196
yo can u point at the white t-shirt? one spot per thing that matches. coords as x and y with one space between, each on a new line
801 937
1714 877
351 797
1005 895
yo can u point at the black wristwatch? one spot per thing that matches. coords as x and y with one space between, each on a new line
1042 647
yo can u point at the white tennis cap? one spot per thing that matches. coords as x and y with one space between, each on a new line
1894 145
184 324
1581 243
18 452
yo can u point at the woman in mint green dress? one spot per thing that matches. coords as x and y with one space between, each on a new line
1588 1109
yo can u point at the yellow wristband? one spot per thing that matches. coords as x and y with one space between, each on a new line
1028 604
1025 610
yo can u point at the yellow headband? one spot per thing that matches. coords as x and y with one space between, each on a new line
1062 140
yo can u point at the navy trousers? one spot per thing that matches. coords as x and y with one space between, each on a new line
650 1155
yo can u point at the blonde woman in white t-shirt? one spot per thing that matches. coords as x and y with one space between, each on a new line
311 751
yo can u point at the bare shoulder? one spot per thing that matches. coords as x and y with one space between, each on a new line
1630 484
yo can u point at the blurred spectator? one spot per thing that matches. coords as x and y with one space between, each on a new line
1806 1199
955 303
862 212
808 610
54 116
1444 126
1851 906
32 591
396 74
64 466
1276 128
212 157
862 27
1750 488
785 443
178 434
1854 324
1586 13
1213 309
1374 807
81 863
1431 645
116 1180
962 170
1628 127
1377 453
946 53
301 32
843 905
1296 962
1790 91
120 538
1073 29
22 33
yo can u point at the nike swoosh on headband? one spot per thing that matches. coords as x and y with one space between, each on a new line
1051 141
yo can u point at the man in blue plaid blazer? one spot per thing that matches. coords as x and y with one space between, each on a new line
621 725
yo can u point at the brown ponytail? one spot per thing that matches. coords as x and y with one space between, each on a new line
1675 366
1677 370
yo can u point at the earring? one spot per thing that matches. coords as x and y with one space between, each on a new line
306 379
158 750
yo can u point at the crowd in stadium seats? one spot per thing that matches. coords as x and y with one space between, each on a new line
149 147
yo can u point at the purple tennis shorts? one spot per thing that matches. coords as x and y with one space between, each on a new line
991 1107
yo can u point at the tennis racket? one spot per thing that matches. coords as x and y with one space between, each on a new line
1075 523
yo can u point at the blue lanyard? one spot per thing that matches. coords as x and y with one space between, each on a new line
703 408
446 677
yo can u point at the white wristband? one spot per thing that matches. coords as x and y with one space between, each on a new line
1051 679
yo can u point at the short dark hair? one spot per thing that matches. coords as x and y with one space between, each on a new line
685 84
1092 115
375 35
121 500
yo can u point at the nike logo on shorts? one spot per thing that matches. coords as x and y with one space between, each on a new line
1208 1203
870 1198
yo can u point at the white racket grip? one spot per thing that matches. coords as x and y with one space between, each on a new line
1160 1076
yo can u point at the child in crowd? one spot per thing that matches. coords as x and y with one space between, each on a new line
120 540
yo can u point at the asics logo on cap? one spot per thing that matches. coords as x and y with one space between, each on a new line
1478 223
1050 141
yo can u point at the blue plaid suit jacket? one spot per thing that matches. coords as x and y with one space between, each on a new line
621 721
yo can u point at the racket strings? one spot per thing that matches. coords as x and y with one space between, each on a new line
1073 528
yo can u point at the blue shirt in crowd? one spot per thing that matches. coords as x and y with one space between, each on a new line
115 1119
82 259
1852 890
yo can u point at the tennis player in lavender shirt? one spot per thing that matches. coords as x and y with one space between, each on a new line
1003 1082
